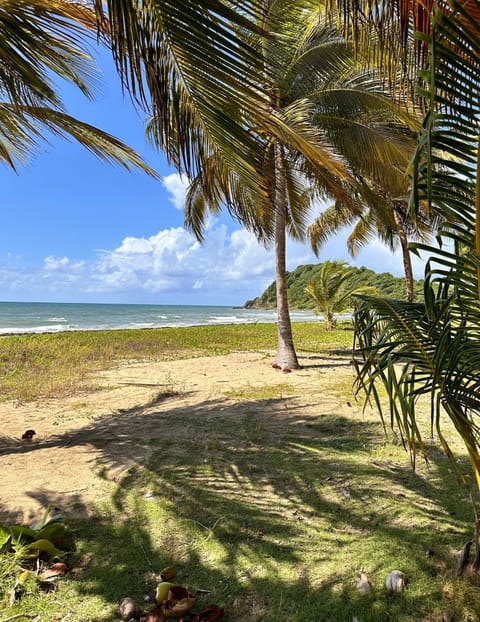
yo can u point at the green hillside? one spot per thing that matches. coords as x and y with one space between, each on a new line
388 286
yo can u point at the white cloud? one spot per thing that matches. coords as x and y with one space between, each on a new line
55 263
176 186
173 267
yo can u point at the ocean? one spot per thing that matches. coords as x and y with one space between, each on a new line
45 317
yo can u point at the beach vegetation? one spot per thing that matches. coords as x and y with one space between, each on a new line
25 555
431 348
56 365
270 515
276 519
334 290
394 227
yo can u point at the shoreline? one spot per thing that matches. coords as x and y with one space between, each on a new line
21 332
38 318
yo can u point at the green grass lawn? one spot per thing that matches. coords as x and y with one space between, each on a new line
270 516
55 365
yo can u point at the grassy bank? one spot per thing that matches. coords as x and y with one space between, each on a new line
55 365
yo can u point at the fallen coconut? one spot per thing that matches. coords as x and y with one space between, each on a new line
128 608
161 593
168 573
396 581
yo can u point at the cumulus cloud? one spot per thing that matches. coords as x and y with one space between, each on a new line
174 261
171 267
176 186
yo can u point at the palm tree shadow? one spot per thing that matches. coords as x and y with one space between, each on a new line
256 478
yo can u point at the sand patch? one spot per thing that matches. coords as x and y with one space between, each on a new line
84 444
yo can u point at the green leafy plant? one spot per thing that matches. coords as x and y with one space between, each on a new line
431 350
42 537
23 548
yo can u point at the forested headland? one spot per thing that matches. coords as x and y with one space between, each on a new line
387 286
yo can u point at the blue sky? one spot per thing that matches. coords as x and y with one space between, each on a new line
77 230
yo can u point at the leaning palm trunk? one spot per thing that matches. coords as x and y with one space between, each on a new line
286 356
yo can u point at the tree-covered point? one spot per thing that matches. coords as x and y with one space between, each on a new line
387 285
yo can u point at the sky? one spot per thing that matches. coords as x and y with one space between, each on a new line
77 230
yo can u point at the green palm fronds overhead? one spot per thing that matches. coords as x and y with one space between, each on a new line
41 43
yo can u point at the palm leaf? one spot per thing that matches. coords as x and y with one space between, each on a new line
22 128
42 41
186 63
433 349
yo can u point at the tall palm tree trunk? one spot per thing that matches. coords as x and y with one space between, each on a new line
286 356
407 260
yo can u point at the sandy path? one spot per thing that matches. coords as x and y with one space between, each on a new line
61 466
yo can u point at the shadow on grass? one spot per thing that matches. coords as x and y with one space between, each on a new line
272 512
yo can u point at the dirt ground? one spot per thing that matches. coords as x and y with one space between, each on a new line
62 464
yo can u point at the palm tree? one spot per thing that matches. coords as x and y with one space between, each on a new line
432 349
318 94
278 199
215 74
334 289
394 227
42 40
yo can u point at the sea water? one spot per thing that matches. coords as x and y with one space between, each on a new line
45 317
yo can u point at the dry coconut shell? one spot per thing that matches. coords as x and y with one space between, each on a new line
177 592
182 606
128 608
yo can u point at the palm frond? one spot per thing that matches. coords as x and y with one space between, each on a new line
176 56
41 39
433 349
23 128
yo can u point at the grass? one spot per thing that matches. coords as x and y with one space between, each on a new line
271 512
46 366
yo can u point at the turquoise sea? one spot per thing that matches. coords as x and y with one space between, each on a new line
45 317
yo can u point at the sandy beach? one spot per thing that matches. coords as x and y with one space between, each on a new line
105 432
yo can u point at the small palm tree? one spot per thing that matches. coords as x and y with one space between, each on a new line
334 289
393 225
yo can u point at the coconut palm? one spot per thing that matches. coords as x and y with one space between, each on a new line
319 94
41 41
276 200
333 290
216 75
